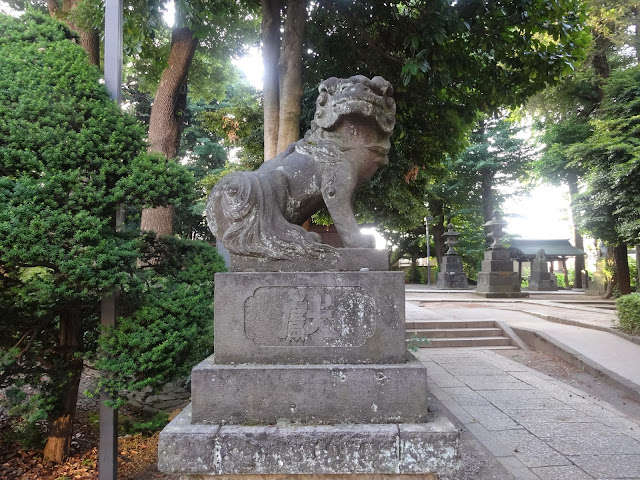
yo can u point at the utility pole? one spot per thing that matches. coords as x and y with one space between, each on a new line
426 222
108 443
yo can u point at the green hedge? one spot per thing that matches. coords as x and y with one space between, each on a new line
629 313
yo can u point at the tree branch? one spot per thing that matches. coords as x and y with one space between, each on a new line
29 344
353 23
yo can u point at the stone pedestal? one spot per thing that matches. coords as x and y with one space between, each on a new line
540 278
598 286
310 376
451 274
497 278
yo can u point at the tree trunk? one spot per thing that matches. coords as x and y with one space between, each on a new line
611 282
438 241
89 40
486 185
271 81
572 182
414 274
566 273
621 268
486 182
61 419
166 122
436 209
290 71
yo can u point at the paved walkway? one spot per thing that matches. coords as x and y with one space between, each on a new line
585 333
537 427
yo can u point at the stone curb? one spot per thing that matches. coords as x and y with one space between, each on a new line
574 323
544 342
515 338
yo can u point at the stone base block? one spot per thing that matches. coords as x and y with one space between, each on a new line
497 260
502 294
544 285
452 280
340 260
349 476
496 265
313 317
451 273
192 450
250 394
498 283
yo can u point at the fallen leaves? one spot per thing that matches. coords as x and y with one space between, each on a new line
137 459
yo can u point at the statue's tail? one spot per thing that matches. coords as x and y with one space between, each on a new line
243 214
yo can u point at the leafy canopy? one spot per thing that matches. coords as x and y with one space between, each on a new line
451 62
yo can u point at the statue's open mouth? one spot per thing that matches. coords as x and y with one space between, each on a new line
371 98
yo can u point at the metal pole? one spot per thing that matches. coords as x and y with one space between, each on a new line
108 445
113 49
638 268
426 222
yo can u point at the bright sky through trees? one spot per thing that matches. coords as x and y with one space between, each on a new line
541 215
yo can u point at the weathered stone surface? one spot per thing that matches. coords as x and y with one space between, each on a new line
187 449
451 274
540 278
502 294
316 317
432 445
257 214
338 260
319 476
497 278
495 226
250 394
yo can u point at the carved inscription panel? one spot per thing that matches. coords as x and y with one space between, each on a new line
309 316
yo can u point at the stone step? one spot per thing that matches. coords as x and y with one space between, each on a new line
440 324
455 332
496 347
469 342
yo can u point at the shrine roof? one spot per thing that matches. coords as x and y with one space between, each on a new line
552 248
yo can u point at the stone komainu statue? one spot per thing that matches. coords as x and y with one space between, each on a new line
258 213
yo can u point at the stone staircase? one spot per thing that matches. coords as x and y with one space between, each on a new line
459 333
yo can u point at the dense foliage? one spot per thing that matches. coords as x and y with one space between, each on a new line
628 309
166 325
590 135
69 157
450 63
612 156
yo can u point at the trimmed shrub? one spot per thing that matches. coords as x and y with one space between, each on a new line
629 313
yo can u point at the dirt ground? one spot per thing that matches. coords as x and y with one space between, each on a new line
138 454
